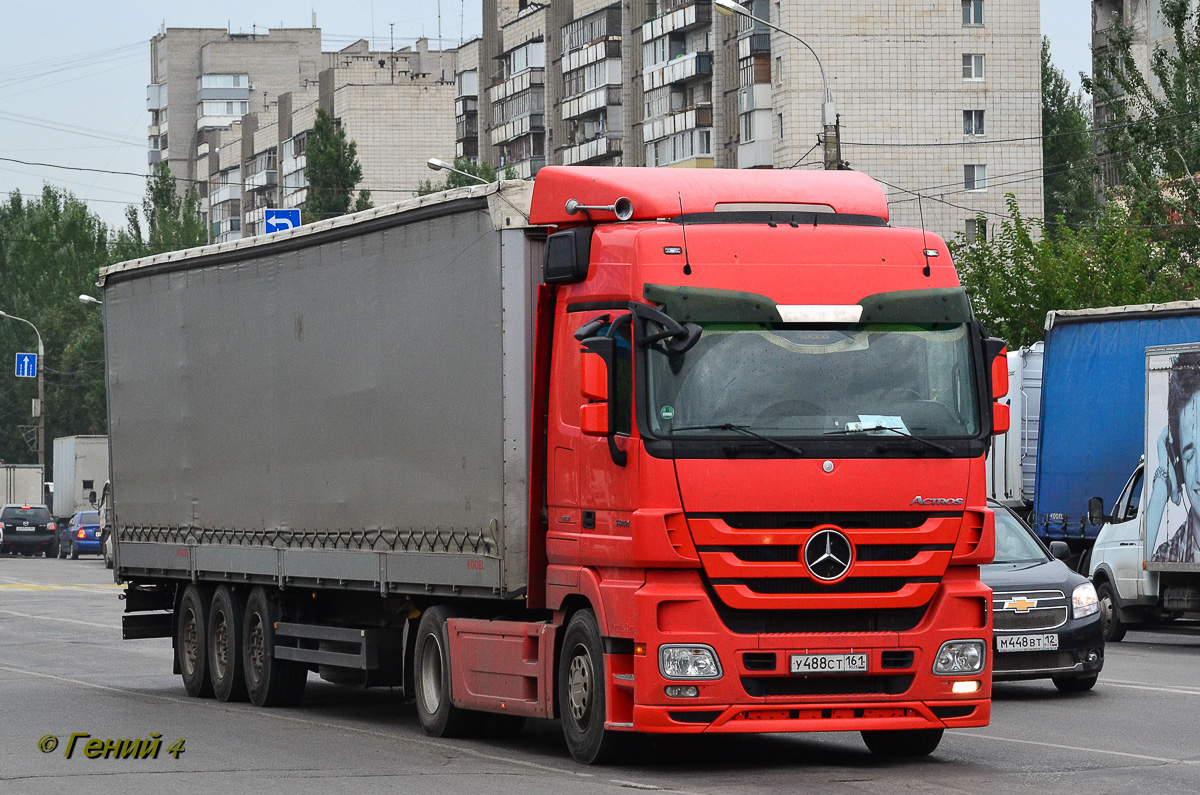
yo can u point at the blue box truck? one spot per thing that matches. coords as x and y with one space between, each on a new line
1092 410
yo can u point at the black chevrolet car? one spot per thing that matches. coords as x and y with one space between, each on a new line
28 529
1046 617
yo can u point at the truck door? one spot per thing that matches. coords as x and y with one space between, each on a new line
1122 539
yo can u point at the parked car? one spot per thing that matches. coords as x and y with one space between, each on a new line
80 535
28 529
1046 618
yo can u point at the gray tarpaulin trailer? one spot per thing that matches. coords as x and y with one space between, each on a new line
345 403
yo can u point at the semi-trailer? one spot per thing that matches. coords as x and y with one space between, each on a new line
645 450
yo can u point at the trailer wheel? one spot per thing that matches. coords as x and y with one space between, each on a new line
901 742
270 681
437 714
225 666
1110 614
582 698
191 627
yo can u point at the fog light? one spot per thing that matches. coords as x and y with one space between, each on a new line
682 691
959 657
1093 655
680 661
965 687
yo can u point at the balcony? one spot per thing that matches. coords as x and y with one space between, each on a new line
685 67
605 146
756 154
682 18
518 83
592 101
656 129
230 192
596 51
267 178
754 44
534 122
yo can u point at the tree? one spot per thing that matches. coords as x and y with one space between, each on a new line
1015 278
1152 133
332 171
1068 162
481 170
51 250
173 221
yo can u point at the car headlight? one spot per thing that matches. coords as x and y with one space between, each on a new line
1084 601
957 657
680 661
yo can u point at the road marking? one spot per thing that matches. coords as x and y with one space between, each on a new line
1186 690
63 620
270 715
1089 750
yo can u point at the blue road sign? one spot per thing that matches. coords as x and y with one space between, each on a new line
27 365
277 220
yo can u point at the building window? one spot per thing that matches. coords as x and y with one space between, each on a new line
747 127
972 12
974 176
781 126
976 229
972 66
973 122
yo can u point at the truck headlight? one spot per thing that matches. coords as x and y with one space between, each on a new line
682 661
957 657
1084 601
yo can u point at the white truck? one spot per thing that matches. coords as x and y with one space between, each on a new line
1146 560
1012 462
21 483
80 470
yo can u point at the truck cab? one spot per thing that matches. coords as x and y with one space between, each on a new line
1124 586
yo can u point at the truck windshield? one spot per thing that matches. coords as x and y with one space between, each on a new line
800 381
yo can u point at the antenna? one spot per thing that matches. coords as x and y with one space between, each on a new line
687 262
924 245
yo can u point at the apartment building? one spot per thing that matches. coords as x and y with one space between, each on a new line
244 106
938 100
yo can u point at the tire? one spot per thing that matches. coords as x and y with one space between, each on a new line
62 552
225 667
106 550
899 742
1075 684
74 550
270 682
435 710
1114 628
191 648
582 698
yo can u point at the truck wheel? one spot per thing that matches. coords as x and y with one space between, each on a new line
582 699
437 714
191 627
899 742
1110 615
225 645
1075 684
74 550
270 681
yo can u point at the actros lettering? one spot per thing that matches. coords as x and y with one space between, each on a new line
919 500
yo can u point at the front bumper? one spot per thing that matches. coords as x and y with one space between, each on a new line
1080 653
757 693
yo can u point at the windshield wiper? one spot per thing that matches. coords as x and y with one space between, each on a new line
729 426
932 445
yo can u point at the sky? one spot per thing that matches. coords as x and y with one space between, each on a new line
73 84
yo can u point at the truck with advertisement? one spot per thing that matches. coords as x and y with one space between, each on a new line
1092 409
1146 560
80 471
644 450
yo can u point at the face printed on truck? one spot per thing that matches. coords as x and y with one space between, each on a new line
1189 452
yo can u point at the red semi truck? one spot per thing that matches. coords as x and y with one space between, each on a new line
646 450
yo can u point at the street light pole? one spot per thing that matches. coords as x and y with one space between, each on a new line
41 444
442 165
829 119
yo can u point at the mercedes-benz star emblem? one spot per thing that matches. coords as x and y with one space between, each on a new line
828 555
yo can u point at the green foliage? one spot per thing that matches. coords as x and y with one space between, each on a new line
51 250
1019 275
1152 133
173 222
1068 161
481 170
333 171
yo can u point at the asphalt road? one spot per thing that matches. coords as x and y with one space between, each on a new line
64 669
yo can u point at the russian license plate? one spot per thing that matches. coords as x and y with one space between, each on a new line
1027 642
829 663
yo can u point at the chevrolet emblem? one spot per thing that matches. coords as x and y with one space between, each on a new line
1020 604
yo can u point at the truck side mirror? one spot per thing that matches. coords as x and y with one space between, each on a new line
593 385
1096 511
1060 550
999 369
